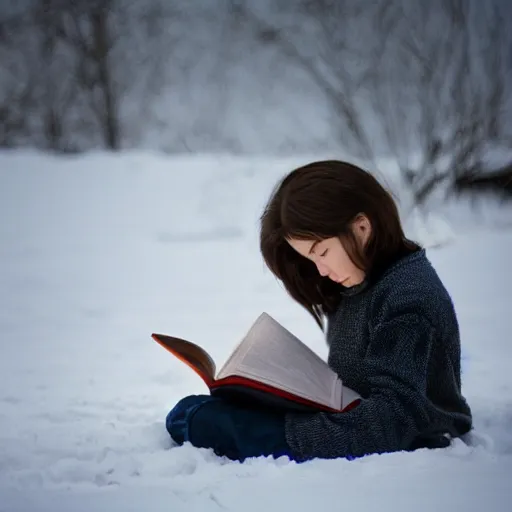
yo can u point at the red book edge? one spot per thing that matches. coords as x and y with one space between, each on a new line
236 380
208 379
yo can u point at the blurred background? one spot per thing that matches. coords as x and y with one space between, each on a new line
426 84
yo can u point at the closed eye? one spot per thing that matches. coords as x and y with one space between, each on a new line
324 253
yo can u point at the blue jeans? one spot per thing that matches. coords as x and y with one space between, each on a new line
234 431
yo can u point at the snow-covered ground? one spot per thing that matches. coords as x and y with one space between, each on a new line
99 251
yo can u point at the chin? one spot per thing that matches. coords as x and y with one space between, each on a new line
349 283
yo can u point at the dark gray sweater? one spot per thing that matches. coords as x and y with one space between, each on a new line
396 342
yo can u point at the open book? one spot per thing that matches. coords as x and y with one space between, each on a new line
269 367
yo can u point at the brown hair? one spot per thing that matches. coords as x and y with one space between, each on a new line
318 201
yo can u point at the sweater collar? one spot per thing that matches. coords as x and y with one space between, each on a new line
394 267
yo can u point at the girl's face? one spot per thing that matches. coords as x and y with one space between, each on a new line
331 258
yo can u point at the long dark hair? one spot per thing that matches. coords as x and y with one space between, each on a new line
318 201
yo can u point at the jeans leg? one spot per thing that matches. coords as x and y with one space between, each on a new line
238 432
178 419
233 431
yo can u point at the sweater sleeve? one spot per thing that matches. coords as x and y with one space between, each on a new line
392 414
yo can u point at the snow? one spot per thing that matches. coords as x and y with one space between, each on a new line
99 251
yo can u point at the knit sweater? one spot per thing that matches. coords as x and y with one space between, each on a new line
396 342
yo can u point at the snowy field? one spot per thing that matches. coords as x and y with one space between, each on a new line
97 252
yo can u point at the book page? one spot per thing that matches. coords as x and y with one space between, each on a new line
271 354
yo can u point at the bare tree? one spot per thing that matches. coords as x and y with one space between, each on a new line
37 83
69 68
18 79
85 28
443 94
120 46
56 89
428 83
313 34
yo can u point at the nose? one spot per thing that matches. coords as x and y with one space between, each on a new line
322 269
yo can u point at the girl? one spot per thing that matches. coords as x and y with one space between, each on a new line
332 234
